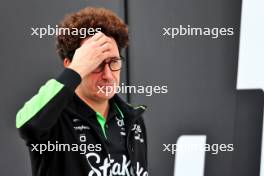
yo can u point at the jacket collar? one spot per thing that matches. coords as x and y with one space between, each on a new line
81 108
128 109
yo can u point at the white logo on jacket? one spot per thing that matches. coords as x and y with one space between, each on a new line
111 168
138 133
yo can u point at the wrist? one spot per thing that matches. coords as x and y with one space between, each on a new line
77 70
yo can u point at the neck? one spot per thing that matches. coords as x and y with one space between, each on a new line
98 106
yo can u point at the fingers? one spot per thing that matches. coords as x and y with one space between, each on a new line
92 39
99 43
98 40
104 39
105 47
97 36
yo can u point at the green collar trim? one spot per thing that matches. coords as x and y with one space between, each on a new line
120 112
102 122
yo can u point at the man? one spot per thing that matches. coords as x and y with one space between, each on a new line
74 110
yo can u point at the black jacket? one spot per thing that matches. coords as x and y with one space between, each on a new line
50 117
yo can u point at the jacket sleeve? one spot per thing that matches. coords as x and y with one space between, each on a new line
39 114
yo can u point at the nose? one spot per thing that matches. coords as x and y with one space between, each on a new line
107 73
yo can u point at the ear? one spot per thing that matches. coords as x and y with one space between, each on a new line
66 62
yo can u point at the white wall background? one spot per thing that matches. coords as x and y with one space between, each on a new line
251 51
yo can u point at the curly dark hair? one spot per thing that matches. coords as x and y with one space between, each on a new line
90 17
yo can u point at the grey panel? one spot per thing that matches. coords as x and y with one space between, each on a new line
200 73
